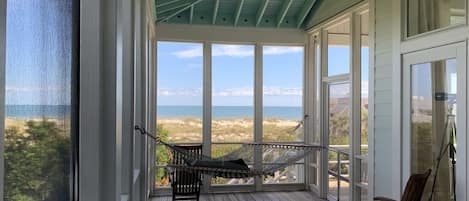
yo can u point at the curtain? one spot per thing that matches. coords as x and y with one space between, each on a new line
427 15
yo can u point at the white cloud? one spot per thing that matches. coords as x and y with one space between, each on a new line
228 92
190 53
245 91
232 50
278 91
281 50
179 92
235 51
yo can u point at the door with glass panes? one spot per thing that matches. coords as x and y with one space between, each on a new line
434 120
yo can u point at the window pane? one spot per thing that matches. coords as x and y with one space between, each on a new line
433 106
333 188
179 92
364 83
338 49
38 100
219 150
232 93
282 93
339 116
317 129
290 174
344 191
162 177
424 16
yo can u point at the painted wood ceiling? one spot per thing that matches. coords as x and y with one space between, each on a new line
237 13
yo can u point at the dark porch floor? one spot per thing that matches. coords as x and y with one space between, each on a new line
257 196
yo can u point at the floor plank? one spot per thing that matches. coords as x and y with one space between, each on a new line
257 196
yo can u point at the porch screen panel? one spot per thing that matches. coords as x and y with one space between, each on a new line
232 101
338 49
39 115
283 106
179 99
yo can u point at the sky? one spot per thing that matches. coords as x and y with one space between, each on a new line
180 73
38 52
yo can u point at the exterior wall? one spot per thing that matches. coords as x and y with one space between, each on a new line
383 57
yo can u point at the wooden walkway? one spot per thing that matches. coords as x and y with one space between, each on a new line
258 196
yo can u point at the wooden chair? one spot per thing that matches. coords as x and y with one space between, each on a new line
414 188
185 185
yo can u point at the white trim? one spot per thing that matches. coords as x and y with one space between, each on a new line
396 100
3 11
355 104
215 34
371 98
207 107
258 110
90 187
339 17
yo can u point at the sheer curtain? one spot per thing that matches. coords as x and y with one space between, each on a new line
427 15
38 145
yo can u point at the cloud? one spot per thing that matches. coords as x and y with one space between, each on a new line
179 92
278 91
229 92
235 51
190 53
245 91
281 50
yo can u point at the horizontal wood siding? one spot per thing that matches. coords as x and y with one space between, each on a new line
383 98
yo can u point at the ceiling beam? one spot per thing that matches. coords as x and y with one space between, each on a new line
283 11
215 11
173 5
191 14
261 11
159 4
304 12
239 8
194 2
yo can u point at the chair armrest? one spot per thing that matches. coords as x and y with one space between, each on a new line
383 199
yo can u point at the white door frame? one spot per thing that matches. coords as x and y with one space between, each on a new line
457 51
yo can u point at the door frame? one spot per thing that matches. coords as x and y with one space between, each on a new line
458 51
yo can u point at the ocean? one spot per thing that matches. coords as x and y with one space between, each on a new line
37 111
63 111
224 112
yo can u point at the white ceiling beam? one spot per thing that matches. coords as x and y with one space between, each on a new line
165 3
173 5
191 14
180 10
283 11
304 12
261 11
239 8
215 11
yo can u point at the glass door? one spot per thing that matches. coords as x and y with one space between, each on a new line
434 120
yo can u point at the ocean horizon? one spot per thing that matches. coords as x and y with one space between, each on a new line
226 112
163 111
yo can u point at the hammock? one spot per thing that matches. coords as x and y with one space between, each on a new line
233 164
